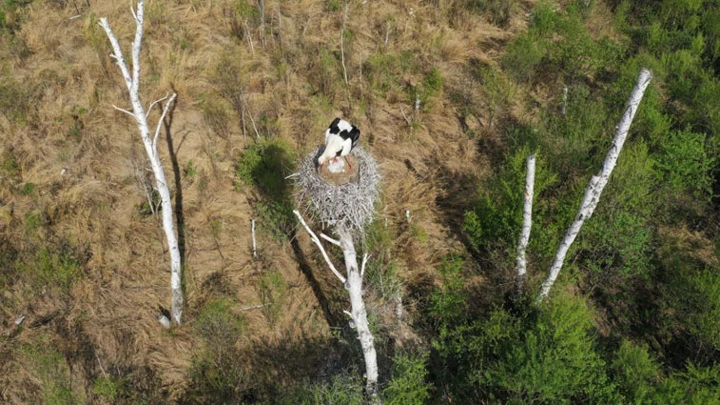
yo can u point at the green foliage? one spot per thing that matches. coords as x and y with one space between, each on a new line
498 11
684 164
546 356
217 323
696 385
51 268
617 240
51 370
272 289
430 88
408 384
341 389
219 374
107 388
17 100
522 57
27 189
701 306
636 373
497 215
264 165
448 302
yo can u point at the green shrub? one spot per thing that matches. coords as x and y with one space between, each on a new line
636 373
703 318
219 371
497 214
272 289
264 165
51 370
617 242
341 389
27 189
522 57
408 384
546 356
696 385
685 165
217 323
107 388
447 303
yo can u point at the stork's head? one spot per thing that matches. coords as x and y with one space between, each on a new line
322 160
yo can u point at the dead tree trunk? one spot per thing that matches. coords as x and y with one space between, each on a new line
140 116
358 314
521 262
597 183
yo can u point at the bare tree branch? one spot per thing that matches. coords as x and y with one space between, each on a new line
125 111
117 52
342 44
137 44
319 244
160 122
331 240
147 113
597 183
364 262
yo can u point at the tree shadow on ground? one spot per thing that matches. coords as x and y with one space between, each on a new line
273 207
178 209
263 372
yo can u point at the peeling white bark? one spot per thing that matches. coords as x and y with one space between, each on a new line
597 183
521 262
138 112
252 225
358 312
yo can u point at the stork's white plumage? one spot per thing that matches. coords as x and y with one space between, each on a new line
340 138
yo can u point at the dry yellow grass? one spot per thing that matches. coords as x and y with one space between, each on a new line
84 159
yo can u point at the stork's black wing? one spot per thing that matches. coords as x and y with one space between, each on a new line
334 126
353 135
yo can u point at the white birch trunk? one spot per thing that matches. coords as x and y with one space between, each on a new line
597 183
140 115
359 314
521 262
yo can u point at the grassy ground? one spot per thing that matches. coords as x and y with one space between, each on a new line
85 259
82 253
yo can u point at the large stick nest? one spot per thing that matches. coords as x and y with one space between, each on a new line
351 204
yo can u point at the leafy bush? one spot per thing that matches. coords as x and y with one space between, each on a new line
636 373
218 372
54 269
272 289
448 302
264 165
408 384
107 388
219 325
51 371
522 57
497 215
696 385
539 356
684 164
341 389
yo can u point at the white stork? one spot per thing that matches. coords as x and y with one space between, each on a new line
340 138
